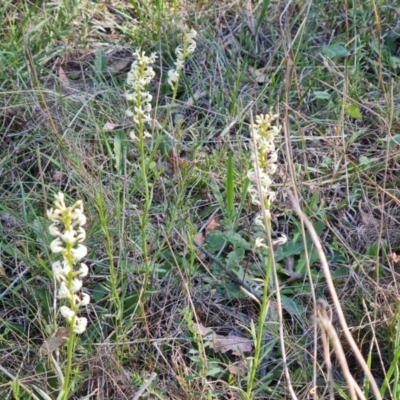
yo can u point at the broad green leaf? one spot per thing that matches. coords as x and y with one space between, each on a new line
335 51
354 111
363 160
321 95
292 306
395 62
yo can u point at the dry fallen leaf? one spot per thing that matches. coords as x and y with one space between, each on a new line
198 239
213 225
54 342
259 74
394 258
118 66
236 344
222 344
238 368
65 83
110 127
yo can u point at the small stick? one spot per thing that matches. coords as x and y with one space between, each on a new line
144 386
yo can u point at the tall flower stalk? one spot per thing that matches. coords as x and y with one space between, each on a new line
67 229
139 77
264 157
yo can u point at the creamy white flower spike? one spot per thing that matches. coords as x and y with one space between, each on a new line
67 228
182 52
139 77
264 158
264 134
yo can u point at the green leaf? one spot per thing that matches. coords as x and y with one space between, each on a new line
215 371
230 192
289 250
215 241
394 141
395 62
354 111
234 257
292 306
319 227
237 241
335 51
363 160
321 95
340 273
301 265
261 16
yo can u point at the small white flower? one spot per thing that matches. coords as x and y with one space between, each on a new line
68 236
130 96
260 243
76 285
59 201
79 219
56 246
63 291
79 252
80 235
173 76
54 230
83 270
133 136
67 313
259 221
60 270
280 240
192 47
81 324
83 301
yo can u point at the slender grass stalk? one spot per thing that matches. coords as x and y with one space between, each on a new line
230 194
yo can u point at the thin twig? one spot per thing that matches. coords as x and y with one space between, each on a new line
152 376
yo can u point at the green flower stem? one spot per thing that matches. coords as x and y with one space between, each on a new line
147 201
72 334
263 312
